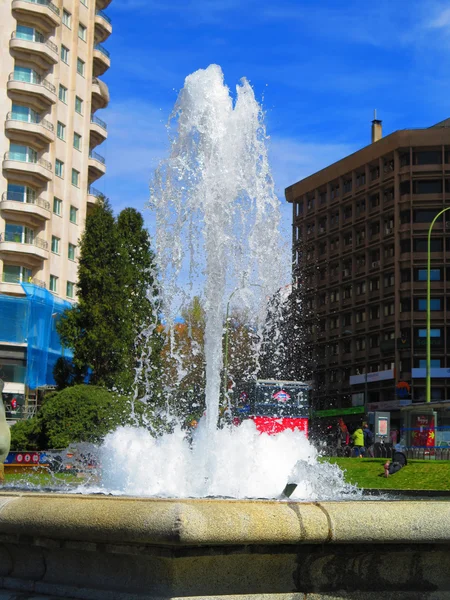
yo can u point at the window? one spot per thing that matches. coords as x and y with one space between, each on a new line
82 32
421 245
55 244
63 94
405 188
389 280
53 283
67 18
15 274
57 206
425 216
22 153
26 74
59 168
435 363
434 333
374 284
427 186
435 304
65 54
73 214
61 130
24 113
29 34
75 178
71 252
421 275
78 105
427 157
84 2
69 289
389 309
77 141
20 193
80 67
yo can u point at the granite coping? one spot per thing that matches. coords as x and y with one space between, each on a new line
218 522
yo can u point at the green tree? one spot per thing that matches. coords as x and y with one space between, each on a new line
27 435
98 328
140 301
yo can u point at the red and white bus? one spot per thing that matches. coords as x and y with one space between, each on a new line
274 405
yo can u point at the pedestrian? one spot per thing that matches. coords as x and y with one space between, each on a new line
368 440
358 442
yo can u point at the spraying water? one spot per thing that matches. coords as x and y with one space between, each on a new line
217 225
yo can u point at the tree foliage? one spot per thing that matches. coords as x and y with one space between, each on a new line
114 273
82 413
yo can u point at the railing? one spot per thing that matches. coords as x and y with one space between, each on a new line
18 238
37 81
102 49
102 14
97 156
18 197
97 121
50 5
92 191
34 120
19 280
40 161
53 47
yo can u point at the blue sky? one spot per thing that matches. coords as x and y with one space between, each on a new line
319 66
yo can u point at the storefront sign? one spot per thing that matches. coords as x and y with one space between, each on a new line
372 377
423 430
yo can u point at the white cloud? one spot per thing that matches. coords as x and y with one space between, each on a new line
441 20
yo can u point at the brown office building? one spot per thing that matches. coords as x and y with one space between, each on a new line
360 252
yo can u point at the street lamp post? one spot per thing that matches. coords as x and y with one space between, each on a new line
428 362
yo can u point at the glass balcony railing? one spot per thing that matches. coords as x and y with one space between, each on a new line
102 49
92 191
102 14
47 3
97 121
35 80
97 156
20 238
19 197
30 118
18 36
10 278
23 158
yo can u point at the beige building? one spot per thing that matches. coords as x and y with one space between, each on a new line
52 57
51 60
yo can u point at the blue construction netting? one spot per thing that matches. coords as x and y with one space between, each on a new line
32 321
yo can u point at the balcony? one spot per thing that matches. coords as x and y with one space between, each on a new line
100 94
33 249
97 166
39 171
92 196
43 53
102 60
38 92
103 26
43 13
32 211
40 129
99 131
101 4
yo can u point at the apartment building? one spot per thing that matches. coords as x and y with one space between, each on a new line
360 252
52 59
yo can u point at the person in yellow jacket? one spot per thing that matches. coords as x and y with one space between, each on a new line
358 442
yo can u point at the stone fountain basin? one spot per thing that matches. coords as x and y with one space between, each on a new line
120 548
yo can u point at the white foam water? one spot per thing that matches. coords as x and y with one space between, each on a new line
238 462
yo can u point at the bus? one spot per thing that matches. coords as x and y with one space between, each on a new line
274 405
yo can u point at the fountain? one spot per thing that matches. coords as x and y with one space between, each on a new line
205 519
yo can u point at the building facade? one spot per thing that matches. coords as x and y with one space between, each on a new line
50 91
360 231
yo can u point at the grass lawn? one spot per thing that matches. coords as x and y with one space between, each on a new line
417 475
41 479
